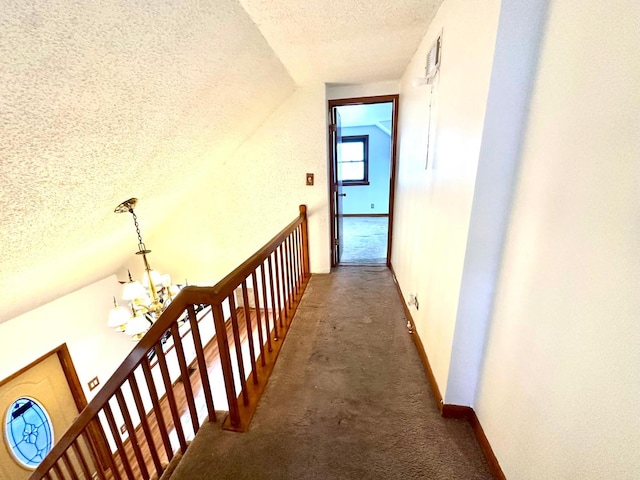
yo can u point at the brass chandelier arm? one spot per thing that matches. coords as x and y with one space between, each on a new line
149 304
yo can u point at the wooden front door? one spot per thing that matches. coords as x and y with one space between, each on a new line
50 382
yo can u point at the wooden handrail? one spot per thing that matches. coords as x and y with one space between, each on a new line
85 445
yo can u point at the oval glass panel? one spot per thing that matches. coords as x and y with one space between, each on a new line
28 431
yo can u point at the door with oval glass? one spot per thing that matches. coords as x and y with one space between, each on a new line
37 404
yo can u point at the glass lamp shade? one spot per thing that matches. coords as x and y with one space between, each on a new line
133 290
137 326
119 316
155 276
173 290
165 280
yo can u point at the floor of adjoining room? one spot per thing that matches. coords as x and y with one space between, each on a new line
364 240
348 399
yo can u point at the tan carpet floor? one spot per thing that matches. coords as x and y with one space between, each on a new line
364 240
348 399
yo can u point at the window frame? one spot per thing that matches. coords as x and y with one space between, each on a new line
364 139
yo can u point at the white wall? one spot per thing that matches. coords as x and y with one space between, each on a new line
432 209
514 65
559 393
79 320
360 197
240 206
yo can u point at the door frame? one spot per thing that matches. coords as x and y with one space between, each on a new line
340 102
69 370
95 433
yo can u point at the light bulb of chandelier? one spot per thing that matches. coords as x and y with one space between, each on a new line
155 276
133 290
165 280
173 290
137 326
119 316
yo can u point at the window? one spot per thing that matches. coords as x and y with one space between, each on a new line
354 160
28 431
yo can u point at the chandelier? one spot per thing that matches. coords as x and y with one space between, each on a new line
147 299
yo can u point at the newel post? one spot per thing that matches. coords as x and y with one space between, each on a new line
305 240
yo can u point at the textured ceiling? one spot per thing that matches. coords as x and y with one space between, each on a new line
102 101
343 41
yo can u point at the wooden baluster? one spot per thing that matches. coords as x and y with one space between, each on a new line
81 459
277 276
290 270
274 314
283 274
58 470
108 456
186 379
98 447
256 300
225 362
68 466
285 280
115 432
282 252
133 438
286 277
266 305
137 398
157 411
202 363
294 253
305 241
298 262
247 317
166 379
238 344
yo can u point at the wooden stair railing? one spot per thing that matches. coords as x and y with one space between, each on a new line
153 403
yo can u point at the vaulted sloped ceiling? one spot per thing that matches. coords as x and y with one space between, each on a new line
343 41
101 101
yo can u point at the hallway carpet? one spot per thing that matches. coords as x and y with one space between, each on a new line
348 399
364 240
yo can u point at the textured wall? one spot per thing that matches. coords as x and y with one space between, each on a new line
260 182
101 101
336 91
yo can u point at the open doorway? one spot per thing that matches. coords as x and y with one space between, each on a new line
362 149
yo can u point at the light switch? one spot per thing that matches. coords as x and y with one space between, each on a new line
309 179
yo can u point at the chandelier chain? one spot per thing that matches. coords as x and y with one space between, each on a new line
135 222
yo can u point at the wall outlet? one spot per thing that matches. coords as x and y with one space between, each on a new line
93 383
372 206
413 300
310 179
123 429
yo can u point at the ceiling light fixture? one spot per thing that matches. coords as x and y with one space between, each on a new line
146 299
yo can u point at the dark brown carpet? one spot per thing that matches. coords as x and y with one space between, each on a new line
348 399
